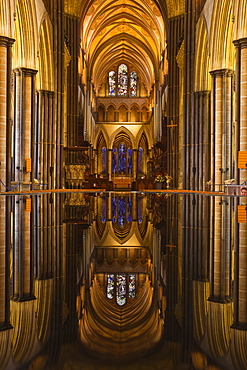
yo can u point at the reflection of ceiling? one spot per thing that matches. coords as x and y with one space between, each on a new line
119 31
113 332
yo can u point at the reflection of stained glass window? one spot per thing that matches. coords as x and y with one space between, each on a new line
118 286
132 286
110 286
122 80
139 209
104 209
133 84
121 289
129 210
140 160
104 160
114 210
121 212
112 83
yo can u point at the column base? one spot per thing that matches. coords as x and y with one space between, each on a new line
5 326
220 300
240 326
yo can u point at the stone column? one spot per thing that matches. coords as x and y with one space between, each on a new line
221 170
24 131
24 95
5 173
241 144
135 164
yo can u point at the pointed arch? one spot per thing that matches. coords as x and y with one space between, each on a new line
202 75
221 48
46 64
26 35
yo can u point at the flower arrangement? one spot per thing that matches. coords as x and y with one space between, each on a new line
159 178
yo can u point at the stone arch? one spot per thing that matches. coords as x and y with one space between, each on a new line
46 64
134 113
111 113
202 80
123 113
127 132
221 48
26 35
101 113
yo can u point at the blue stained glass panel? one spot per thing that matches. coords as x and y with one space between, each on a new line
114 160
104 209
104 160
122 158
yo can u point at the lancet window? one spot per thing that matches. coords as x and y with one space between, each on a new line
122 160
121 82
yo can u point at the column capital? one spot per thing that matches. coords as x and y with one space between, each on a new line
6 41
25 71
241 43
222 72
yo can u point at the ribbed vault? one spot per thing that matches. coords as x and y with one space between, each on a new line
120 333
122 31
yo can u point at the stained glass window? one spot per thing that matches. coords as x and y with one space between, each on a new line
112 83
122 80
114 160
130 160
104 160
140 160
121 289
110 286
133 84
122 158
132 286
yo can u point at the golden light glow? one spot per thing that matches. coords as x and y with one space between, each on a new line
122 31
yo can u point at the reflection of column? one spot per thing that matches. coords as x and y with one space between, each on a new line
110 163
22 251
222 103
5 155
241 144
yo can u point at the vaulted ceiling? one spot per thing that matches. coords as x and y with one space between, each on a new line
123 31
